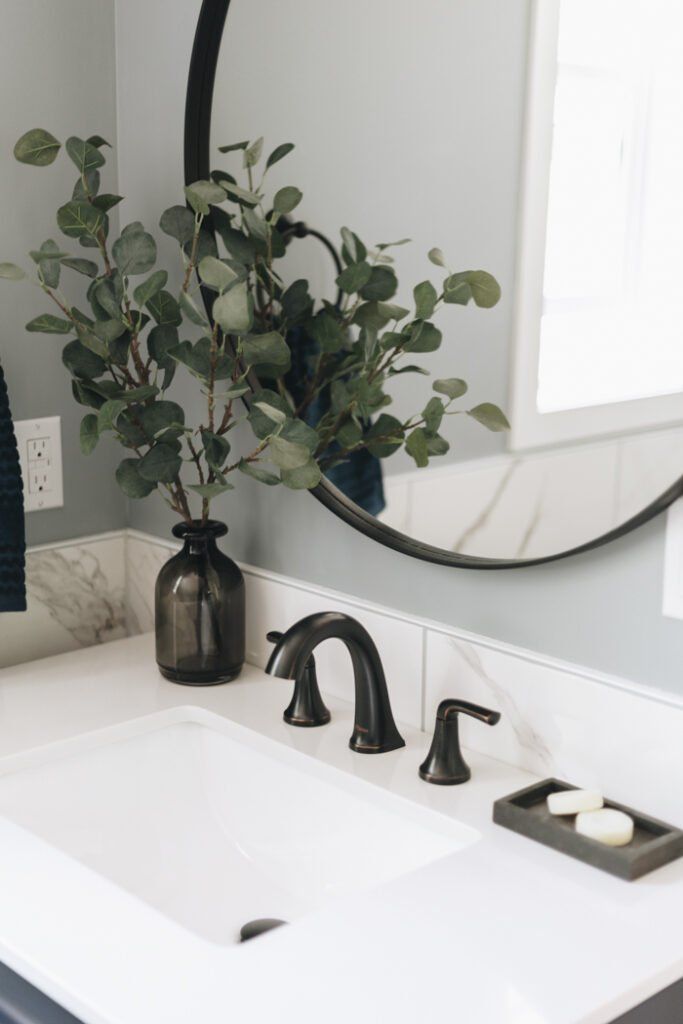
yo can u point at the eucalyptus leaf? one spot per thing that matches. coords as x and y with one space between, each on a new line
49 324
298 432
279 153
252 154
303 478
11 272
89 433
425 300
232 147
87 186
84 155
216 273
354 277
130 480
423 337
151 287
161 464
453 387
201 195
486 291
433 414
233 311
135 252
77 219
160 416
382 285
242 195
216 449
107 202
191 310
261 422
287 199
398 371
262 475
97 140
210 491
417 447
49 258
353 250
165 309
436 257
160 340
490 416
81 362
37 147
268 348
287 454
81 266
385 436
327 332
179 223
109 413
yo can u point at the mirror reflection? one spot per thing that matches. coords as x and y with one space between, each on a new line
531 147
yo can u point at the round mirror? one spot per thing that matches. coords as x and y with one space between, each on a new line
478 283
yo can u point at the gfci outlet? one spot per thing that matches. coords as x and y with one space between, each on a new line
40 454
673 562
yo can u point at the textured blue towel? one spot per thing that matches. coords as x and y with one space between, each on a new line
12 538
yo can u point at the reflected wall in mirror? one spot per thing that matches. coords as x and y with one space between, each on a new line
541 141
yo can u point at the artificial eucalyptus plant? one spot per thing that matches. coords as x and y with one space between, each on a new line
124 353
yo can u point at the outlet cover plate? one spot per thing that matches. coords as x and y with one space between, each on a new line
673 562
40 453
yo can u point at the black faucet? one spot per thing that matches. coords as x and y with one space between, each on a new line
374 730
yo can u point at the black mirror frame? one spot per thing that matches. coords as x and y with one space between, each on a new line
198 109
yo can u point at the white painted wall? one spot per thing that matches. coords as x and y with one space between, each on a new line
57 71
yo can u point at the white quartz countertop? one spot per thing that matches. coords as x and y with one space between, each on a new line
503 932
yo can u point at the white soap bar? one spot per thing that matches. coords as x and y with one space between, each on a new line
614 828
571 801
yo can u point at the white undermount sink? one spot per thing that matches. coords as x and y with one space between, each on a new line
214 825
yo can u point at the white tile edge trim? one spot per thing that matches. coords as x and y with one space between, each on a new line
428 625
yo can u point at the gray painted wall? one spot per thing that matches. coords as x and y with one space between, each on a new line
602 609
57 71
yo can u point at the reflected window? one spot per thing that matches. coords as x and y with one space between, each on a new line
611 326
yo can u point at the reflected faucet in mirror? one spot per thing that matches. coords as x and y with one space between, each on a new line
374 730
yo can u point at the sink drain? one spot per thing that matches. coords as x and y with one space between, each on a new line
252 929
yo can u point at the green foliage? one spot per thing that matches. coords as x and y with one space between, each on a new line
37 147
124 351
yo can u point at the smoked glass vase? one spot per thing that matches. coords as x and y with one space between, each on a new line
199 610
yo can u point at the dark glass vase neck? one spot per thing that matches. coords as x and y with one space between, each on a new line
198 535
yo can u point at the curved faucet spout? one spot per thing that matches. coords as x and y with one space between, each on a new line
374 730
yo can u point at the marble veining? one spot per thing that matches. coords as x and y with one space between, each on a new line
78 594
527 735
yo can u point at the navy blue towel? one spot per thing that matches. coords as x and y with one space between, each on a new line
12 537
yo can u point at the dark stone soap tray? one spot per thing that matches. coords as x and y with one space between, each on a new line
654 843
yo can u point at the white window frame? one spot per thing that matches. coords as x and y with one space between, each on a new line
530 428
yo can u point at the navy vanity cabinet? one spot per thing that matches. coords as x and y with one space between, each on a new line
21 1003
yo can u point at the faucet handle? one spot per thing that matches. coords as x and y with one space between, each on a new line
444 764
306 707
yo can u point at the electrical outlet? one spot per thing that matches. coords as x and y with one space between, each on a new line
673 562
40 455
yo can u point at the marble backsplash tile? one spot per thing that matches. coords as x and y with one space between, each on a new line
76 598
